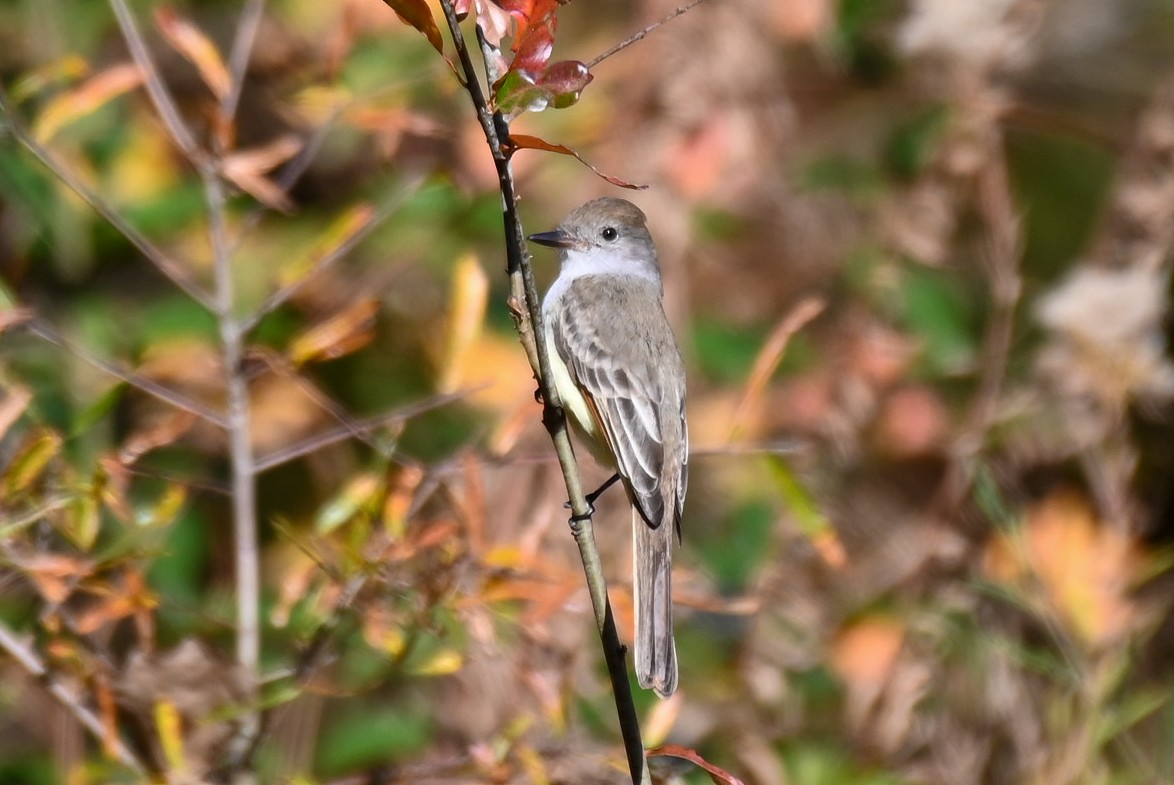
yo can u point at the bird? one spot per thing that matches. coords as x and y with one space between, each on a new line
619 373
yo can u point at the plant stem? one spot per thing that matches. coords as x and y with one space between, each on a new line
528 321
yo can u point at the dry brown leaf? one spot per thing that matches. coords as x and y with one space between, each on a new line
769 357
169 426
247 169
16 400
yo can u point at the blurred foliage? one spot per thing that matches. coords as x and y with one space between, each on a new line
922 542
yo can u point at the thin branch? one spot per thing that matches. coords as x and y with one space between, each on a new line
638 36
139 382
171 269
157 91
27 659
238 60
243 469
526 307
354 429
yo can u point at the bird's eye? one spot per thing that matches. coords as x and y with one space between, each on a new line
609 233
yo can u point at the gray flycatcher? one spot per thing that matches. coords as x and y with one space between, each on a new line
619 373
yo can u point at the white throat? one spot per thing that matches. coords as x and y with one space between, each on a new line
597 261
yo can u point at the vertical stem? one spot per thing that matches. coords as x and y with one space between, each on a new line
528 320
243 467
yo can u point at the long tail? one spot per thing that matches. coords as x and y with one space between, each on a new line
656 653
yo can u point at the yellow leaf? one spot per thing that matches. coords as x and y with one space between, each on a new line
85 99
38 450
359 495
470 292
190 41
441 663
169 725
67 69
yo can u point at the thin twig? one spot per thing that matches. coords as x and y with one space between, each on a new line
139 382
238 60
354 429
170 268
628 42
160 97
526 307
27 659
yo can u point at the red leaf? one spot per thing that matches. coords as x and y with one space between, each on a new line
534 46
717 774
526 142
417 14
564 80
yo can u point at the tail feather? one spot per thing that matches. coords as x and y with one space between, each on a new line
656 652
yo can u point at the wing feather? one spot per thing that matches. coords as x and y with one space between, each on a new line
619 371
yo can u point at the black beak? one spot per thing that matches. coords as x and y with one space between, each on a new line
555 238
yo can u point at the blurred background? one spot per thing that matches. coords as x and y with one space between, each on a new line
917 257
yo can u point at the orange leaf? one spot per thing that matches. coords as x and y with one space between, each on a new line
190 41
399 500
54 576
338 336
866 652
417 14
85 99
1084 566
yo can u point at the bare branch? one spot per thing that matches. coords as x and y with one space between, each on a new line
139 382
356 429
160 96
638 36
173 270
238 60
